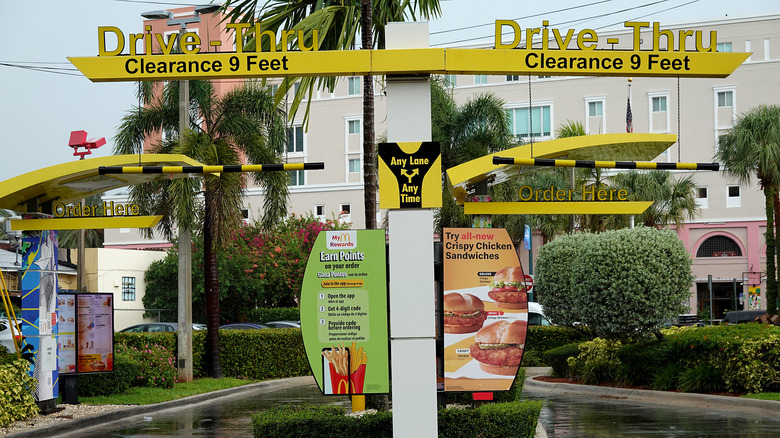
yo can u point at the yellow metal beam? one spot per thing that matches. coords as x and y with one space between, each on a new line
591 164
618 147
408 61
570 207
85 223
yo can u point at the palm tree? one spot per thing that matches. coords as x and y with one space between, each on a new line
477 128
674 200
752 147
244 123
337 22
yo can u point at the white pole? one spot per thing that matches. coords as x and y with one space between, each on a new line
412 291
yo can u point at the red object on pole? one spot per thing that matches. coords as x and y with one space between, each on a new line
78 139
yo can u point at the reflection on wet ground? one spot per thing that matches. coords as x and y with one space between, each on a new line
579 416
562 416
223 418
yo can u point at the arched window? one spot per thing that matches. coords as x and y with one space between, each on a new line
719 246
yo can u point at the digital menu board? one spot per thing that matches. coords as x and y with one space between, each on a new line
86 341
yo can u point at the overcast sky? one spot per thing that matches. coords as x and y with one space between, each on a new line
44 98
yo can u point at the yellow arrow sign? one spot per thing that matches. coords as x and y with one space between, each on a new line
85 223
408 61
570 207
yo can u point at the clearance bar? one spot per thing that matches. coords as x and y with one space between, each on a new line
106 170
605 164
408 61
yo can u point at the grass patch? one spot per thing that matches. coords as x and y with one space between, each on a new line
146 396
765 396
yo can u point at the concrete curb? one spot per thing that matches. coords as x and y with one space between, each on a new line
718 402
134 411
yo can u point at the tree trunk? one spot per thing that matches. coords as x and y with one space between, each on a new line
770 194
370 185
211 287
774 232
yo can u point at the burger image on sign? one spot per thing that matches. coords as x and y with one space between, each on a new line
463 313
508 290
499 347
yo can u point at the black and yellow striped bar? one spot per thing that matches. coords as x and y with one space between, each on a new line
113 170
605 164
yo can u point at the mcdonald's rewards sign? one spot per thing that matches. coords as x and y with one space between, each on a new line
410 175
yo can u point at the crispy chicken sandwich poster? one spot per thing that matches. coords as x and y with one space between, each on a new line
485 307
344 312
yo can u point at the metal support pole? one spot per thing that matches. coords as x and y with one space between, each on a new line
412 285
184 363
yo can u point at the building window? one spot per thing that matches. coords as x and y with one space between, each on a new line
296 177
319 212
659 104
540 122
595 109
354 86
543 77
719 246
450 81
702 199
354 126
295 139
345 213
512 78
128 288
480 79
354 165
734 197
723 47
725 99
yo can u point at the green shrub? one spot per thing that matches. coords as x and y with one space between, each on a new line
517 419
596 362
16 389
274 314
625 282
263 354
702 378
542 338
642 361
156 369
666 379
553 282
126 369
558 358
170 342
319 421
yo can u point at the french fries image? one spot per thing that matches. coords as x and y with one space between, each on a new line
348 367
339 357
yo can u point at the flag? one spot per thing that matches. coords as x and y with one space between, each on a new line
629 117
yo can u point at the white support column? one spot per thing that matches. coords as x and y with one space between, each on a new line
412 291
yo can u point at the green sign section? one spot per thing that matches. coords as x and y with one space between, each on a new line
344 312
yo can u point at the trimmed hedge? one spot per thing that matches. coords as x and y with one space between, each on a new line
253 354
558 358
263 354
516 419
16 388
125 371
539 339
